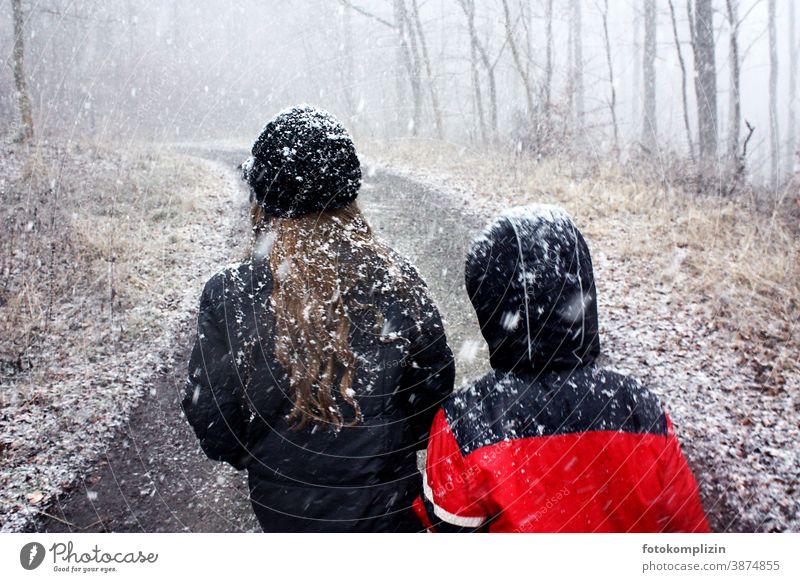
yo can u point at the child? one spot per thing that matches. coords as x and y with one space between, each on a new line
320 360
549 441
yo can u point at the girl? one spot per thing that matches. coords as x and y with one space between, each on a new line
320 360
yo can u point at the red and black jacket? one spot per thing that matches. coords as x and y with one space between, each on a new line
549 441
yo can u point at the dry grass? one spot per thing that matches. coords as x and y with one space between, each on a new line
102 254
76 223
740 265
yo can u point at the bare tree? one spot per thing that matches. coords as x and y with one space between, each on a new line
20 84
774 137
649 125
468 7
576 49
684 79
791 125
410 58
476 87
437 112
636 78
703 45
526 18
734 94
612 104
547 85
518 64
349 62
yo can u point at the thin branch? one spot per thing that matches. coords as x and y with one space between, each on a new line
684 83
368 14
82 17
750 130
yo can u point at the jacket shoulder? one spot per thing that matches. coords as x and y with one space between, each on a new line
465 411
630 396
237 279
503 405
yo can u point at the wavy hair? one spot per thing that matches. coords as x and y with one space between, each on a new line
315 260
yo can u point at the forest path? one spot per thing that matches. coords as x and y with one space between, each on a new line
153 476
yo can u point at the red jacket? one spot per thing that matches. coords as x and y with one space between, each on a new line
587 481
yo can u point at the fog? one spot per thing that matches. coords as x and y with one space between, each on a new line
122 70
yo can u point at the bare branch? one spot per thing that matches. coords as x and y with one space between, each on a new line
363 12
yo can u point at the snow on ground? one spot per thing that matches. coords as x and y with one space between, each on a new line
57 418
739 433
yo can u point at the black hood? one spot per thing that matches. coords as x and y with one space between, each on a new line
529 277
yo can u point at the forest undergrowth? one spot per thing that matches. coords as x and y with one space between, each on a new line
102 257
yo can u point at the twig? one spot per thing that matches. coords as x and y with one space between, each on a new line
67 522
750 130
741 163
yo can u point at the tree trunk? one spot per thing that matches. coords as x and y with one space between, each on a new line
476 85
612 105
437 112
518 64
468 6
349 65
526 19
577 63
636 78
408 44
791 142
410 60
548 66
684 79
734 94
774 137
649 125
18 56
705 81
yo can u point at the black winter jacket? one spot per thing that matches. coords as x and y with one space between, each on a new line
361 478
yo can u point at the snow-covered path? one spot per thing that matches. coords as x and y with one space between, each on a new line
154 478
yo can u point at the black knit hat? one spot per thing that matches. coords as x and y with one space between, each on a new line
304 161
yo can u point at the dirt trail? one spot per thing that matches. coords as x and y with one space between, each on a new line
153 477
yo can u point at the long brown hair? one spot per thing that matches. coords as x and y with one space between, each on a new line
315 260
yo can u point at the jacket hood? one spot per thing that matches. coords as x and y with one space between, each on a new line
303 161
529 277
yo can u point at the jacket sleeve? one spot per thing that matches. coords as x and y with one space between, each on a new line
451 499
429 370
681 496
213 400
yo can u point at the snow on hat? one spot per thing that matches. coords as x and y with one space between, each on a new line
304 161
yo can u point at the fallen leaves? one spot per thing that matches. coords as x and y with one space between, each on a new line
34 497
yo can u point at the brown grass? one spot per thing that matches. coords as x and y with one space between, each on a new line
77 223
740 264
